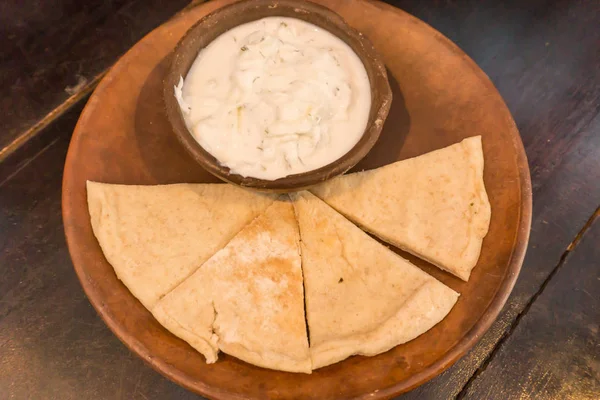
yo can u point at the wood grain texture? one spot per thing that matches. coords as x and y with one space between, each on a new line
27 152
50 51
543 57
557 343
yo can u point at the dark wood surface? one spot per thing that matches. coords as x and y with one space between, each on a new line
542 55
53 51
557 341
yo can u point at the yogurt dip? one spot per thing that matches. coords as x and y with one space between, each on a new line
276 97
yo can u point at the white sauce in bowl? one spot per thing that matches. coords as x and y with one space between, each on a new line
276 97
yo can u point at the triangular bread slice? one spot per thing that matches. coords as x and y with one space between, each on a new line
361 297
156 236
434 206
247 300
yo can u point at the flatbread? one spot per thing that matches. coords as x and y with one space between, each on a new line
361 298
156 236
247 300
434 206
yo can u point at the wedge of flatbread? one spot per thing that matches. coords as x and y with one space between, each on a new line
361 297
247 300
434 206
156 236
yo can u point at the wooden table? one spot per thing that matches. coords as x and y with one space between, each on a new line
544 58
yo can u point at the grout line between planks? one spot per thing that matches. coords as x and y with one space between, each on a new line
28 161
463 391
49 118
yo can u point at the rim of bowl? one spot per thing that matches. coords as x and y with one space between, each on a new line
208 28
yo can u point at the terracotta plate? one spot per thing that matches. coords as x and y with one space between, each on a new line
440 97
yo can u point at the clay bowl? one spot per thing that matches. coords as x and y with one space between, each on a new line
210 27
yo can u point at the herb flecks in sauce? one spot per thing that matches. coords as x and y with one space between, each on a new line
280 100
